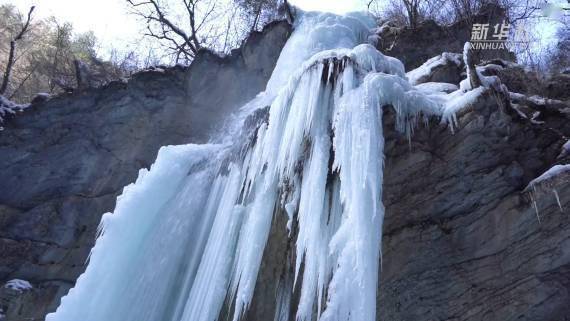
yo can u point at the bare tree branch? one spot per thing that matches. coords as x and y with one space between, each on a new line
187 44
11 55
201 23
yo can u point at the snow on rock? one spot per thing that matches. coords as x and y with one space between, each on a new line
8 107
565 150
551 178
424 72
489 67
465 96
41 97
452 103
18 285
538 101
441 87
458 101
547 182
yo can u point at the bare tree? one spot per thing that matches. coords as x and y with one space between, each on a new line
183 42
406 12
560 57
447 12
44 59
82 75
61 46
412 9
12 54
258 12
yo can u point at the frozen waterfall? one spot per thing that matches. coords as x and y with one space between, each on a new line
186 240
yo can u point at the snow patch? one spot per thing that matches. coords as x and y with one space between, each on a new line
458 101
8 107
565 150
441 87
548 176
18 285
487 67
548 181
422 72
42 96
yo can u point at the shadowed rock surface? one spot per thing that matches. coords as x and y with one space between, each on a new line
64 161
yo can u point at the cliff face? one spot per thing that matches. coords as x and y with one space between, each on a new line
461 240
64 161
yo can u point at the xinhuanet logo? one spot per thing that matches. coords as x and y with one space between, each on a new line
498 37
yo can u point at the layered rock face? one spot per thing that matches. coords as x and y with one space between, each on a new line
64 161
461 240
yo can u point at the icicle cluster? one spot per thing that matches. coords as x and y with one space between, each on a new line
548 182
189 235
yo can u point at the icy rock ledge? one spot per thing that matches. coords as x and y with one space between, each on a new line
18 285
8 107
547 182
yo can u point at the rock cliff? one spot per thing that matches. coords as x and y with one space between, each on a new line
64 161
461 240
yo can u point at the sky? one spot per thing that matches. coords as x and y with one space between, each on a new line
336 6
108 19
112 24
116 28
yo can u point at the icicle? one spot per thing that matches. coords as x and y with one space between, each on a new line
557 199
554 176
533 200
209 287
284 296
133 266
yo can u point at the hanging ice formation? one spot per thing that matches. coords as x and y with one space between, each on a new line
188 236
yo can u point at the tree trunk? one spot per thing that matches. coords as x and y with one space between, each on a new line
256 20
82 75
9 66
11 58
